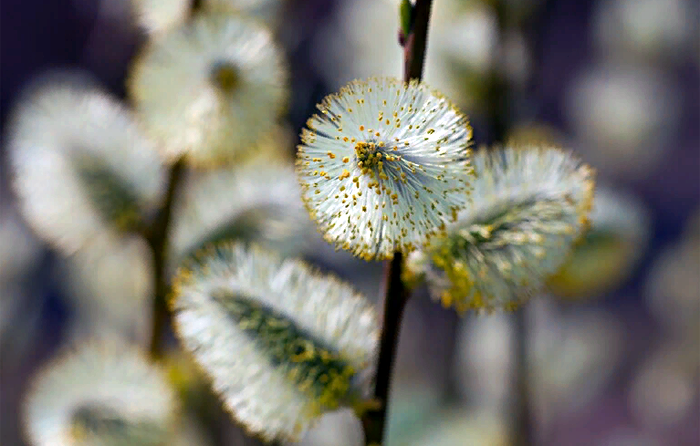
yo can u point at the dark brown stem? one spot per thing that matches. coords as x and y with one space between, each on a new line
523 434
417 42
157 238
374 421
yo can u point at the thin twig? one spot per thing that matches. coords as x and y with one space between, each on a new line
417 43
157 238
374 421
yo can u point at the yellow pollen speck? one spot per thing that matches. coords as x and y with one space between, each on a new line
331 155
346 159
344 175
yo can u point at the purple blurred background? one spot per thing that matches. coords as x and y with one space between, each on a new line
93 35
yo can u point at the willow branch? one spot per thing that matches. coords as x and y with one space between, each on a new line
157 238
374 421
396 297
417 42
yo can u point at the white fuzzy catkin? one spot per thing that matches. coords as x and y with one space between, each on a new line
281 343
211 88
62 121
103 393
256 201
530 205
384 166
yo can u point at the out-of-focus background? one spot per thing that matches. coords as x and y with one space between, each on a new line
615 80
